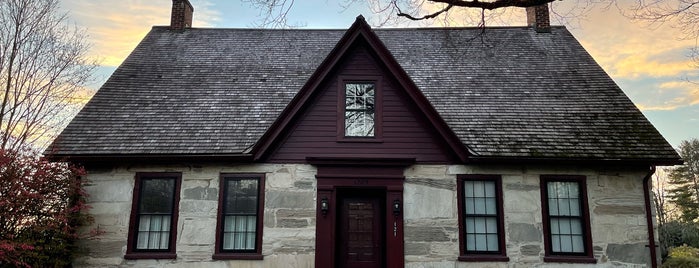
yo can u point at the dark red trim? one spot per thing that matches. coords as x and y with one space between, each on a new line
549 256
378 107
219 253
333 178
501 255
359 29
649 218
359 161
131 252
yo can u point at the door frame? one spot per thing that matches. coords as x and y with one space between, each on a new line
341 173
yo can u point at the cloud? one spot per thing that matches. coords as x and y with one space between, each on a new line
116 27
667 94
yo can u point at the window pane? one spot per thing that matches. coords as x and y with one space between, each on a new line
470 206
575 227
470 225
470 242
478 189
553 207
491 206
564 225
573 190
491 225
574 207
468 189
566 243
563 207
492 244
481 242
359 109
157 195
480 205
241 196
153 232
489 188
578 244
479 225
551 189
555 227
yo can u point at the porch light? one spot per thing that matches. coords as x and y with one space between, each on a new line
324 206
396 207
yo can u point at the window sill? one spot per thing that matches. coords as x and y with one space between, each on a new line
237 256
483 258
570 259
150 255
360 140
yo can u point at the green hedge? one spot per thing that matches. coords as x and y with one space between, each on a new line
682 257
681 262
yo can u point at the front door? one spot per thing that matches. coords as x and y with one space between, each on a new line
360 230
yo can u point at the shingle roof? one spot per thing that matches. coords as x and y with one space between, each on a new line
505 92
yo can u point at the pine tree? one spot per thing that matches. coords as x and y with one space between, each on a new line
684 179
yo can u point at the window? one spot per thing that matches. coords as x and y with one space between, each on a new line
566 219
239 227
152 228
360 109
481 218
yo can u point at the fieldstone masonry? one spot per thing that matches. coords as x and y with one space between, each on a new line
617 216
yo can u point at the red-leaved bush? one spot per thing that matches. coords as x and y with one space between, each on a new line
42 204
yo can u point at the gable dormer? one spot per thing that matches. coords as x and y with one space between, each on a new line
360 104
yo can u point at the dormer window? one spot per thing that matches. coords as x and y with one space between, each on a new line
360 109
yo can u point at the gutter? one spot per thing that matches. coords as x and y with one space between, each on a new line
649 218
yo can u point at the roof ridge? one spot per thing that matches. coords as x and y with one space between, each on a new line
374 29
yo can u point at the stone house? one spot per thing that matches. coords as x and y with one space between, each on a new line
417 147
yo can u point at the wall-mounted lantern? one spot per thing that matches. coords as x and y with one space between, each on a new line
396 207
324 206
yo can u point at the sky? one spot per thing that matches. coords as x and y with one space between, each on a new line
648 61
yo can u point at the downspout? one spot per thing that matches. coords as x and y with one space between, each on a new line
649 218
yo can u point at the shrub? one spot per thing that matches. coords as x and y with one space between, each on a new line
681 262
41 206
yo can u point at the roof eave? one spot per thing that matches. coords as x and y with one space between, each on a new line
97 159
575 160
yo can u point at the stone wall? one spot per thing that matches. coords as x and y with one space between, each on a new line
615 199
617 216
289 216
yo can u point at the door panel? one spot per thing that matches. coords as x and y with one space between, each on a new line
360 233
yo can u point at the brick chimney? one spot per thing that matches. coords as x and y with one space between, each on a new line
181 17
538 18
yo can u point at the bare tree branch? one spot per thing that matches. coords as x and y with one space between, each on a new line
43 66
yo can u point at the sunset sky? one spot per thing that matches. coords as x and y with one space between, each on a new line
649 62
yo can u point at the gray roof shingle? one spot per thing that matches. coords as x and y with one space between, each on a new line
508 92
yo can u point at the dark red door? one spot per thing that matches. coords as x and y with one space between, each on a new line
360 233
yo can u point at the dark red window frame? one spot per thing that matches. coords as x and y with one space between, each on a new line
256 254
464 255
378 108
550 256
170 252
